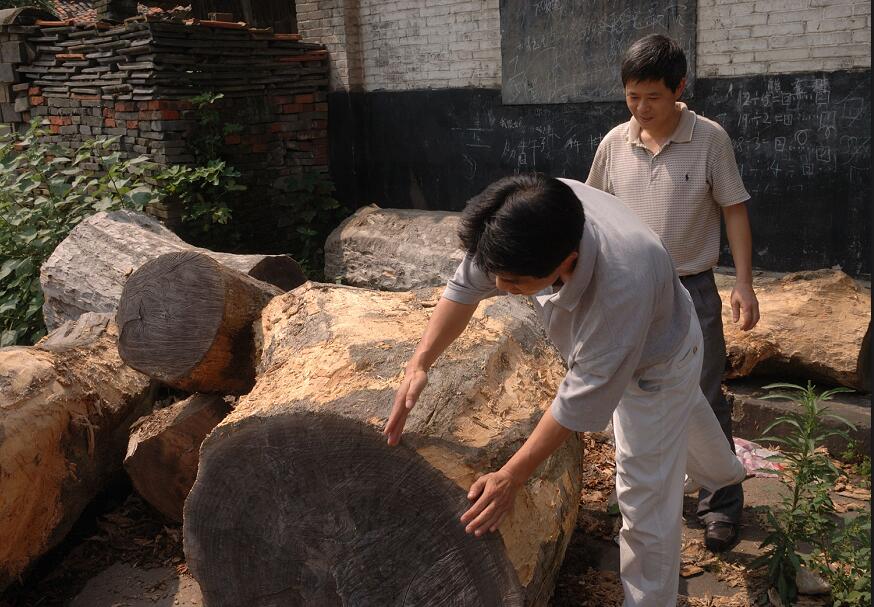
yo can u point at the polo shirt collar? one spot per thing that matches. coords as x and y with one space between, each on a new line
682 134
569 295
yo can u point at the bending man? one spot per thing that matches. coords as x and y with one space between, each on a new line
612 304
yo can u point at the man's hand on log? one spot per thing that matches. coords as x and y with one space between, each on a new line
744 303
407 395
493 495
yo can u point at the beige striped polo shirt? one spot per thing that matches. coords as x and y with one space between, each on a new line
677 192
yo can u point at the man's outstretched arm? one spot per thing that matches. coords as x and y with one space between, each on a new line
447 323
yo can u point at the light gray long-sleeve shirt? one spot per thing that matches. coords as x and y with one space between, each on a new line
622 312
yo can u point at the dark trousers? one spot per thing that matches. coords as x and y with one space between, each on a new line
726 504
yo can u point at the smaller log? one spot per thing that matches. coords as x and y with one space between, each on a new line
186 320
812 326
163 450
87 271
394 249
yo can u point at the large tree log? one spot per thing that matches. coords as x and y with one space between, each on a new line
394 249
186 320
163 450
87 271
812 322
299 501
812 327
65 408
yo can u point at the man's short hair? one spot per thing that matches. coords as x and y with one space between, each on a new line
654 57
524 225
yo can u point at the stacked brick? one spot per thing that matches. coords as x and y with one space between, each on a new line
135 81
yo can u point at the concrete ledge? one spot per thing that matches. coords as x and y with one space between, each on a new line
751 414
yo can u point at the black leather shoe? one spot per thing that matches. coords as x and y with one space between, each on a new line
719 536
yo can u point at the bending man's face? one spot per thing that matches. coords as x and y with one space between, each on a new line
524 285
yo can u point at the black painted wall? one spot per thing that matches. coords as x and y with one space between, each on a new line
802 142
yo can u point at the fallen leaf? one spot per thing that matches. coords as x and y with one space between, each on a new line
690 570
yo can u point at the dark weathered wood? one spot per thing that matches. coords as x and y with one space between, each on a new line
87 271
394 249
65 408
186 320
299 501
278 14
164 447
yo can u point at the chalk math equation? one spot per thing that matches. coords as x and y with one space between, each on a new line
796 131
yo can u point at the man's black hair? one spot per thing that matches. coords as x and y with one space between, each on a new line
654 57
524 225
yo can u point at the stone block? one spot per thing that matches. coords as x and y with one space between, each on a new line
13 52
8 113
8 73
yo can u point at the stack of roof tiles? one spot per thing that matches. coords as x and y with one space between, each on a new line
135 81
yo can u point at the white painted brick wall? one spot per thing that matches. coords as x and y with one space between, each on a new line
782 36
407 44
415 44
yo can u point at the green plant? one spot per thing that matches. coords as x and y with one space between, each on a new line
859 461
204 192
207 142
45 190
806 514
313 212
206 189
846 562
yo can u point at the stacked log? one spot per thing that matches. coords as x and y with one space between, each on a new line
186 320
813 323
87 271
162 453
812 326
394 249
298 499
65 409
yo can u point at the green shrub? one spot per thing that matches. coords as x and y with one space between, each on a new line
313 212
806 515
45 190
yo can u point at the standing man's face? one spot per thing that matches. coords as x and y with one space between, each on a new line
652 103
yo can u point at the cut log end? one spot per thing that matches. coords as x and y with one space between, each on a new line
339 506
186 320
169 314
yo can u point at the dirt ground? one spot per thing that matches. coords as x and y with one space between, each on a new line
122 553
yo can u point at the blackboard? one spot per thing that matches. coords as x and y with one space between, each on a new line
558 51
802 142
803 147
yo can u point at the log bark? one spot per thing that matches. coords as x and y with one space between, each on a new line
299 501
186 320
812 327
394 249
163 450
65 408
87 271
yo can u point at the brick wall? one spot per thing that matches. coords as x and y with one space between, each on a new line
414 44
406 44
782 36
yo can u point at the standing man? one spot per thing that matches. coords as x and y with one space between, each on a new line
677 171
611 302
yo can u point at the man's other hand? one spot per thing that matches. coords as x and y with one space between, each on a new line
744 305
407 395
493 495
